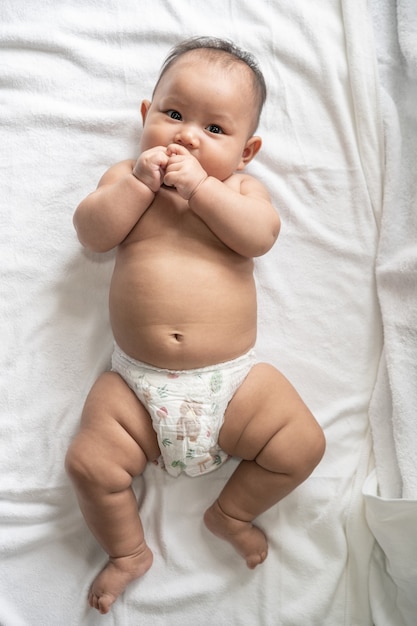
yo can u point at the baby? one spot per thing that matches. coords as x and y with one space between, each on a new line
184 383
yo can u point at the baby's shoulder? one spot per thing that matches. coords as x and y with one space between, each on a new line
116 171
245 183
236 179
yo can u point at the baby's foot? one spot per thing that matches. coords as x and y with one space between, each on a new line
246 538
116 575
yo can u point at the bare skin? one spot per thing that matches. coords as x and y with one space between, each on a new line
115 420
187 225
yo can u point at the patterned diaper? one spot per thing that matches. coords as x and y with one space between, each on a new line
187 407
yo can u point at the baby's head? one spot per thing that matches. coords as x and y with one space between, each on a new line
227 55
208 98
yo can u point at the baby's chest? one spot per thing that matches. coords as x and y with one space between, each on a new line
172 220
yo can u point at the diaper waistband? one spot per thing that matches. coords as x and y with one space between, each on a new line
123 358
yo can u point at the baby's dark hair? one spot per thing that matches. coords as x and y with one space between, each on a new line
231 52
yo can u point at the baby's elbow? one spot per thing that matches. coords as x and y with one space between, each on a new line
81 231
93 244
267 241
275 228
91 241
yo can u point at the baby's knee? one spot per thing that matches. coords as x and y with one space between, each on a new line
310 452
83 465
77 464
314 447
294 450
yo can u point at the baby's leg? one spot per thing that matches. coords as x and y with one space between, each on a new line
271 429
114 444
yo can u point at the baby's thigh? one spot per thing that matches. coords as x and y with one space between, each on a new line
265 404
117 425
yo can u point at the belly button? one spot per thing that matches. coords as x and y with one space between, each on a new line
178 337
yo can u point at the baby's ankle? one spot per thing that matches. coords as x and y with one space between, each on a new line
140 557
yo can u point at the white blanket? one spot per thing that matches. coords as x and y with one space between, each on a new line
72 77
391 492
394 410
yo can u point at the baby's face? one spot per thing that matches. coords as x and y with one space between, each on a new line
205 107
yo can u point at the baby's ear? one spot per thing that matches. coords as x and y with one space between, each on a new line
144 108
252 147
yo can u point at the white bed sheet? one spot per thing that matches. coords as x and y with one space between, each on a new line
73 75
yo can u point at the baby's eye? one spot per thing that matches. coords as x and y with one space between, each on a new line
174 115
213 128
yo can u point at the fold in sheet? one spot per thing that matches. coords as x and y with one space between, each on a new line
393 409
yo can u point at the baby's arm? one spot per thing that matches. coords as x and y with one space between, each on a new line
108 214
237 210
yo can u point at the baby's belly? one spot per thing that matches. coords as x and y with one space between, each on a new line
182 315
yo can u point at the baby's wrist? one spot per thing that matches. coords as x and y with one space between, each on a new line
135 173
197 187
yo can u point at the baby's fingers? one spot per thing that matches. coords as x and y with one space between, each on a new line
177 149
150 167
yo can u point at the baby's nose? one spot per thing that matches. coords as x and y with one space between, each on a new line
187 137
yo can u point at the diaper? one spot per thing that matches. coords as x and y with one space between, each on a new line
187 408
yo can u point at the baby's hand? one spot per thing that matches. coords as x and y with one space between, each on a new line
183 171
150 167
